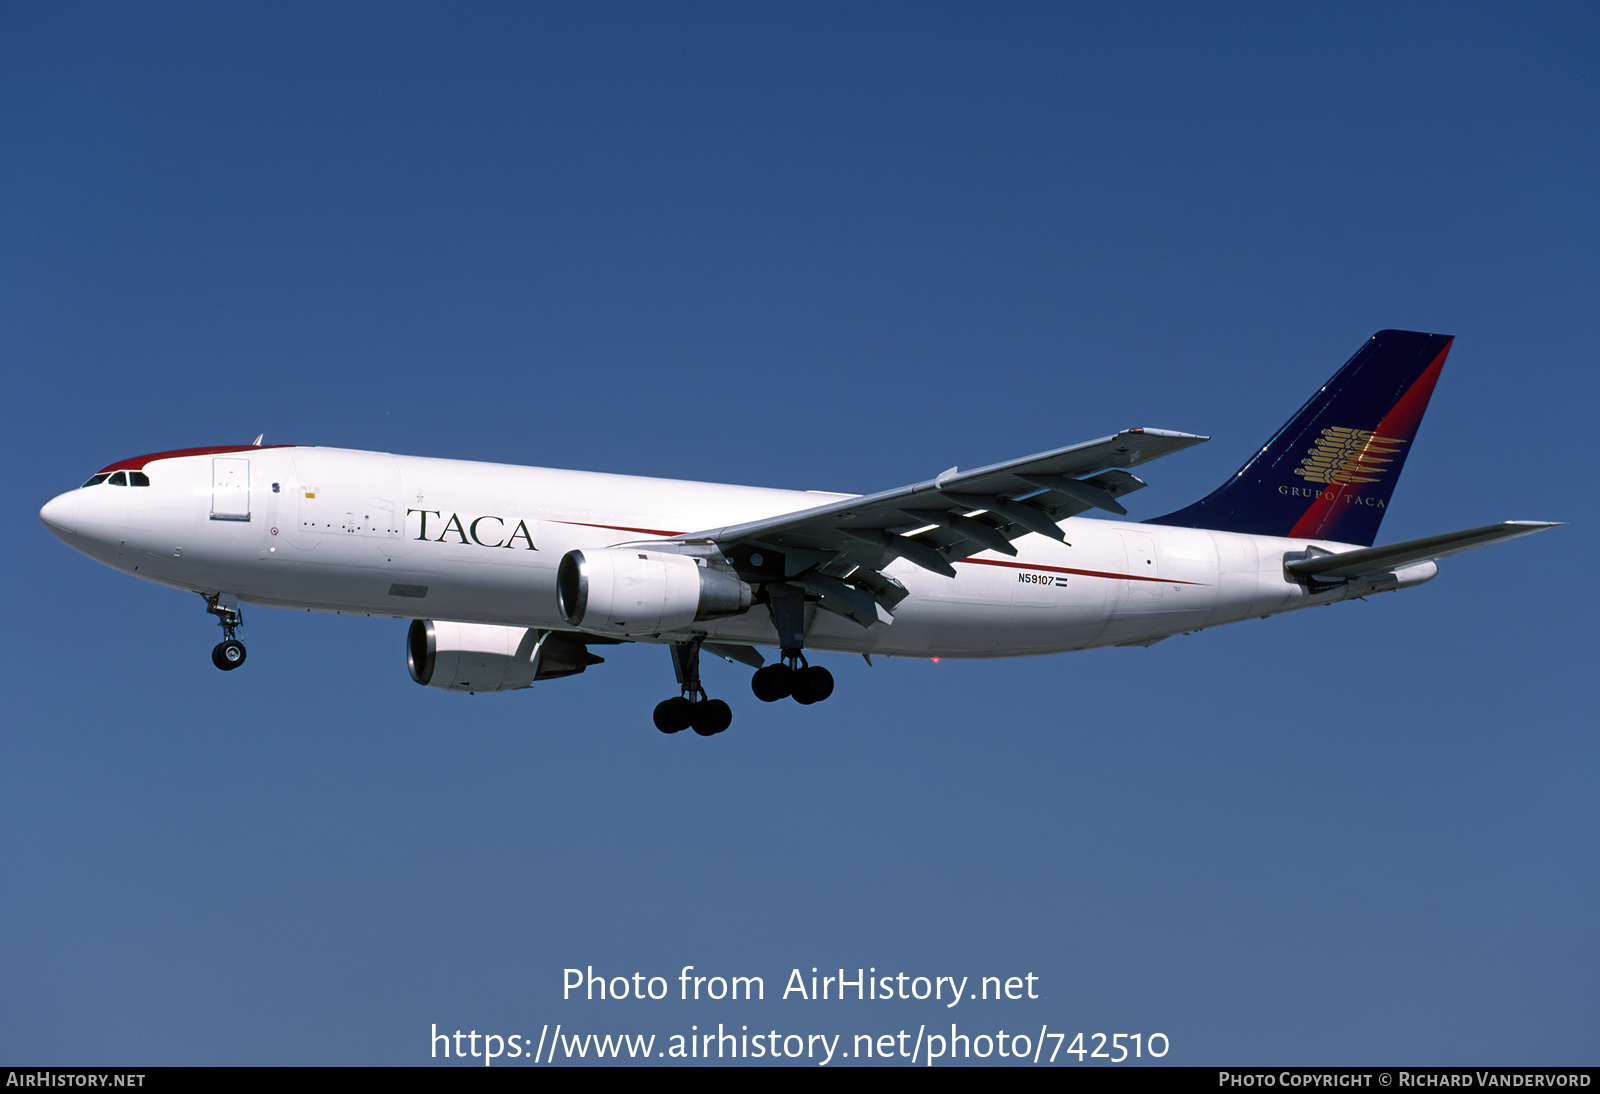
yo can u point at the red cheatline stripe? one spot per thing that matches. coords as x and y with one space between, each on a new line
137 463
1070 570
620 528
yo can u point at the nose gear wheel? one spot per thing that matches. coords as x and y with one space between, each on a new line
228 654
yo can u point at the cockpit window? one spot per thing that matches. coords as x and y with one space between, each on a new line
118 478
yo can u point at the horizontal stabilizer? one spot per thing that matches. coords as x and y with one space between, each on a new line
1377 560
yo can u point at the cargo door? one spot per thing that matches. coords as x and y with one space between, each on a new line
349 497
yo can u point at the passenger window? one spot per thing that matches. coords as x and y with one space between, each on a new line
96 480
119 479
138 478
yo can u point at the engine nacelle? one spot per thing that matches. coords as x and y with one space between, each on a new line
624 590
486 657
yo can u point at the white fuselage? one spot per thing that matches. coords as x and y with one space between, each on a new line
365 532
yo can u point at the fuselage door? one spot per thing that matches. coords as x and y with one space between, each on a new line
348 497
230 489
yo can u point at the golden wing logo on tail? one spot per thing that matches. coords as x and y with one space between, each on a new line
1343 456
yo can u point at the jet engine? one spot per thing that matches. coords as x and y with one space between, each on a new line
623 590
485 657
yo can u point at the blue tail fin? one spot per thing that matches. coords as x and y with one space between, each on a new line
1329 472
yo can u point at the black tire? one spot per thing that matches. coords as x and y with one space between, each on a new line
712 717
228 655
673 715
773 682
812 684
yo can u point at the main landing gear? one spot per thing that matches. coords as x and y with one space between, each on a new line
788 677
792 678
229 653
691 709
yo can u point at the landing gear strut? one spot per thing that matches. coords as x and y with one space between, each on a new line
691 709
791 676
229 653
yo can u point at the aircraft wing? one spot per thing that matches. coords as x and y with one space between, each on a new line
1371 561
836 551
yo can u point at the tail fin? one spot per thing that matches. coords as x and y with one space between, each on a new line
1329 472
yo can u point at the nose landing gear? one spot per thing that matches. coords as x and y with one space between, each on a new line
229 653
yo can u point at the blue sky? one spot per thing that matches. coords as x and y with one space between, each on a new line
814 246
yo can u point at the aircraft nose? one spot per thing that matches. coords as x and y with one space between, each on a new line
60 514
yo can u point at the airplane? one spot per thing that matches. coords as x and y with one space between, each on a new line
511 574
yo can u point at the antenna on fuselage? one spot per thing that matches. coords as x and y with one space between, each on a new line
257 442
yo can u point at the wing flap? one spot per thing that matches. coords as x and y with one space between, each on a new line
735 652
1130 448
827 527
